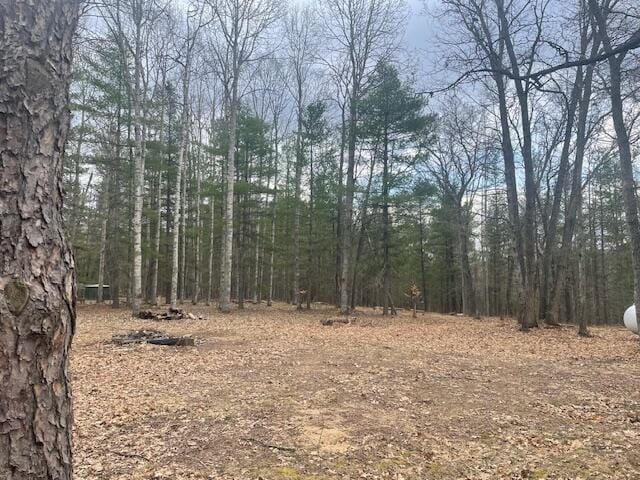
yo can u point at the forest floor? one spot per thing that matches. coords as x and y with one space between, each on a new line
268 393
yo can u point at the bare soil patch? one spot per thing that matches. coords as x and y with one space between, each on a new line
270 393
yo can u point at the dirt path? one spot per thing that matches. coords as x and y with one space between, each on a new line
268 393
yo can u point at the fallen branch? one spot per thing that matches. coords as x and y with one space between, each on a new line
171 314
153 337
334 320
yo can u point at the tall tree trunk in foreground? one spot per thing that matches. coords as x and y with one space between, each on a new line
37 309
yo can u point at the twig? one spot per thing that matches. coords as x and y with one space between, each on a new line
268 445
129 455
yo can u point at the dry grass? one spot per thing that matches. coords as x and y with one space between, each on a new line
269 393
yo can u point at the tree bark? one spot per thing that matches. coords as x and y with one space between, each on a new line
37 276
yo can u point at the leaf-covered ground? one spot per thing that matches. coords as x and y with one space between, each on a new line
270 393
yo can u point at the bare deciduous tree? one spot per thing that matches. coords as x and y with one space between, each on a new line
237 28
300 45
364 32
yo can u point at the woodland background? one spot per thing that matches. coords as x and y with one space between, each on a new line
348 150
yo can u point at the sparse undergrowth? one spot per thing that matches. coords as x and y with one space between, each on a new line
270 393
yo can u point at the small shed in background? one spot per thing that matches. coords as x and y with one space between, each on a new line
90 292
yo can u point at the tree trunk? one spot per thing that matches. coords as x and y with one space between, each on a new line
138 175
227 242
312 253
196 283
76 203
177 199
524 238
212 212
340 206
297 206
468 291
37 269
103 244
581 288
602 277
153 292
347 211
363 227
624 149
183 232
256 265
273 213
244 234
551 234
175 234
386 283
423 267
575 197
